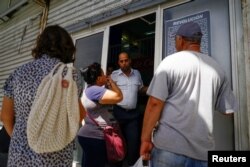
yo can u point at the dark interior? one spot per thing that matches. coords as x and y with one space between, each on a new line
137 37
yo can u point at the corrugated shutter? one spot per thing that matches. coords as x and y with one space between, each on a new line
73 11
107 10
17 38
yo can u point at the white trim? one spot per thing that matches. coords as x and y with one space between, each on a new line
105 46
158 37
236 33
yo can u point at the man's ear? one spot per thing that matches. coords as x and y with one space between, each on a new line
182 41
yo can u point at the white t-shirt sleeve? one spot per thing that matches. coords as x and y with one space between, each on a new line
159 85
226 102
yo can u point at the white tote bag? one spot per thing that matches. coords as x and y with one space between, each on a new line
54 118
139 163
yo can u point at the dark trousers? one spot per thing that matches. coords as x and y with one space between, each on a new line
94 152
129 121
4 147
3 159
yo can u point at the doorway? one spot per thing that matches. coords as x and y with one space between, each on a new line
137 38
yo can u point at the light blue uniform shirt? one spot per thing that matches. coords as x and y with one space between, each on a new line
129 85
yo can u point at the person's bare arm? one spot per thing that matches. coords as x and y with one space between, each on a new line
82 111
112 96
152 115
8 115
143 89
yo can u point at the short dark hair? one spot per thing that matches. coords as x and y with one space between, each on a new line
124 52
91 73
56 42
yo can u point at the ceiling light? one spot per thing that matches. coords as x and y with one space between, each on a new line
150 33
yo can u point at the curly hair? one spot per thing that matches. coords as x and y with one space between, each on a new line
91 73
56 42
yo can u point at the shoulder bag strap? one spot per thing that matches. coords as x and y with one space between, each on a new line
92 119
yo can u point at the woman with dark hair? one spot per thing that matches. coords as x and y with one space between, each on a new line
54 45
96 99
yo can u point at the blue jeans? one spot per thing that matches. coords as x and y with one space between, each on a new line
163 158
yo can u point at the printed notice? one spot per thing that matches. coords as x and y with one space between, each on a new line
171 26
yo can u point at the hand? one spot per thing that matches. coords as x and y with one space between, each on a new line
109 79
108 82
146 148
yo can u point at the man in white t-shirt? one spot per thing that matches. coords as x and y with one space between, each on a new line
186 89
